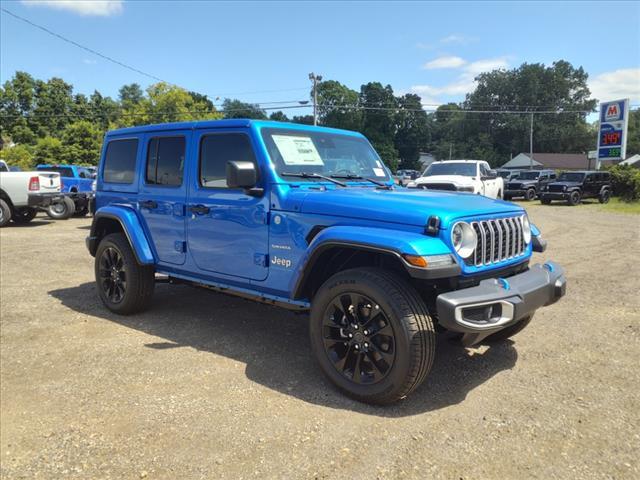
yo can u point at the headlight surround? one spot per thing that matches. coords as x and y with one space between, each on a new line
468 188
564 188
463 239
526 229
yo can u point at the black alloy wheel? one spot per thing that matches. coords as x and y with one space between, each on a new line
113 280
358 338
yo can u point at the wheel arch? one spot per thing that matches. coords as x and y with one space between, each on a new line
112 219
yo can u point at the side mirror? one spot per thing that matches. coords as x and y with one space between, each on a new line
491 174
241 175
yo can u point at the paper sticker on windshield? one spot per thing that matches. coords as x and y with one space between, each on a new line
378 172
297 150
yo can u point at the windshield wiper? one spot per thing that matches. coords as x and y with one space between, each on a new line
359 177
313 175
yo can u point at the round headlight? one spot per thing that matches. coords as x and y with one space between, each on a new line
526 229
463 239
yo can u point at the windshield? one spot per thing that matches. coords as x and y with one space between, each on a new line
322 153
528 175
570 177
455 168
504 173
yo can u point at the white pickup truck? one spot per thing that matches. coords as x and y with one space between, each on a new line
473 176
22 194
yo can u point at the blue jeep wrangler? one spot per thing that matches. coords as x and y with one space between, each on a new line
76 182
307 218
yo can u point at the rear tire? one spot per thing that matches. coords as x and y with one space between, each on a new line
24 215
61 210
604 196
5 213
530 195
510 331
390 325
574 198
124 286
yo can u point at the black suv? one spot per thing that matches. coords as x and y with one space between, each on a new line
528 184
574 186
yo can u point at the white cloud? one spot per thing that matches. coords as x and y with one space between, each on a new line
444 62
102 8
463 83
623 83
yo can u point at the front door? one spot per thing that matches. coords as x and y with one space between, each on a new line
226 228
162 194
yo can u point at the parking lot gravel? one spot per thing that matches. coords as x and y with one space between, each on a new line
210 386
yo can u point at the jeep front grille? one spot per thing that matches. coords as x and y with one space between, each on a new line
556 188
498 240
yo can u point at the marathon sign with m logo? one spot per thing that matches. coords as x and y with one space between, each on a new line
612 132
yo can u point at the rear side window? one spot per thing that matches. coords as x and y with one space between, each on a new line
63 171
165 161
120 161
218 149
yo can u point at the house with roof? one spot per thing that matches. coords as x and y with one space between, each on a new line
634 161
553 161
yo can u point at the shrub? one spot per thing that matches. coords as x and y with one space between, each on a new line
625 181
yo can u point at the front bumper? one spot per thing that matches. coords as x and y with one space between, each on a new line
554 195
43 199
497 303
515 193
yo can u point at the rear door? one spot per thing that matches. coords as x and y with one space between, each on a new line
162 193
590 185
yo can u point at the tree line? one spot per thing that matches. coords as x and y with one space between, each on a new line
46 122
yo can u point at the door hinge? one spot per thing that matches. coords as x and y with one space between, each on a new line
261 259
180 246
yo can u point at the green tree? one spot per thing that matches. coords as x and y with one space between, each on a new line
633 133
17 101
413 133
279 116
303 119
338 106
19 155
49 150
82 141
54 106
233 108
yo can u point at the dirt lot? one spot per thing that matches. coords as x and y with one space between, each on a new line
210 386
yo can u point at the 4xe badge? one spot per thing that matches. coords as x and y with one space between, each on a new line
283 262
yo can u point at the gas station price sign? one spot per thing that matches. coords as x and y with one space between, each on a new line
612 134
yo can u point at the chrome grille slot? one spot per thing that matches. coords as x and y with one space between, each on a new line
498 240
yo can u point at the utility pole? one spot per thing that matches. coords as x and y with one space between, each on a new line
531 144
315 79
450 147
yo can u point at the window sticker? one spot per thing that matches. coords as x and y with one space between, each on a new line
378 172
297 150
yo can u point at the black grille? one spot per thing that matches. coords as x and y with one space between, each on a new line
556 188
439 186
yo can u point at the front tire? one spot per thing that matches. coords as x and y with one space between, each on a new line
530 195
574 198
372 335
24 215
5 213
124 286
61 210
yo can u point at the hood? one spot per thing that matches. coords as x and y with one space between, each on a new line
457 179
401 205
566 184
517 181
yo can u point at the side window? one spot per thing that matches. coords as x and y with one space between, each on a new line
165 161
484 171
120 161
552 176
218 149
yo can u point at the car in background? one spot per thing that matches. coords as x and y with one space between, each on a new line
473 176
572 187
528 184
404 176
507 174
22 194
76 181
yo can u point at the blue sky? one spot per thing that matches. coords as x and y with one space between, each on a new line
268 48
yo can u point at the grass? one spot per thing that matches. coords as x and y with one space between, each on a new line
618 206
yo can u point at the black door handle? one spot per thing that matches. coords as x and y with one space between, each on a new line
149 204
199 209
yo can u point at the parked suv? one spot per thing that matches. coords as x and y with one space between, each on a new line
307 218
572 187
508 174
528 184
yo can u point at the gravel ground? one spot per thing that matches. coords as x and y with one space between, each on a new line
210 386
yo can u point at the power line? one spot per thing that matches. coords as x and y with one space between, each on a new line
90 50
